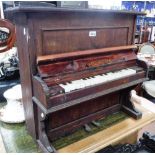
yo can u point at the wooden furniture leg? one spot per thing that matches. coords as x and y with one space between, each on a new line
127 106
43 140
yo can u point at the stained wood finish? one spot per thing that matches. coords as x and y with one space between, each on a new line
75 112
61 64
74 125
67 56
50 38
88 72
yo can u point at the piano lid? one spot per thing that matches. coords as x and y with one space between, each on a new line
55 9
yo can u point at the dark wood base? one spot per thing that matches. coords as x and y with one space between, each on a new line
44 148
46 133
132 112
73 126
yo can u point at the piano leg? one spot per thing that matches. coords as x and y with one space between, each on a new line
43 140
127 106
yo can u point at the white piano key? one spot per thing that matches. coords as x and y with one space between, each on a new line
86 82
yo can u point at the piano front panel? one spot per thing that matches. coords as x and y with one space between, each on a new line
84 111
60 32
52 39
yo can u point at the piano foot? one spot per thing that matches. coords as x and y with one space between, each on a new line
127 106
96 123
87 128
45 145
132 112
43 140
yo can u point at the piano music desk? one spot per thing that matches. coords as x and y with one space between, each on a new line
125 131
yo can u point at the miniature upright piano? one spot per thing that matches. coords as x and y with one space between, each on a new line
77 66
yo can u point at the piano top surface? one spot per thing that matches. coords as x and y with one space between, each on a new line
47 9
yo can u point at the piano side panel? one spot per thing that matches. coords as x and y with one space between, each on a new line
25 74
40 89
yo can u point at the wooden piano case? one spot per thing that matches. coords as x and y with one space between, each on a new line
49 31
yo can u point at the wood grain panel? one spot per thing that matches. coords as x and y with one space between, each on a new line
76 65
83 109
65 40
80 23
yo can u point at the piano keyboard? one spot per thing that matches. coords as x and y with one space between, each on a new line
86 82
